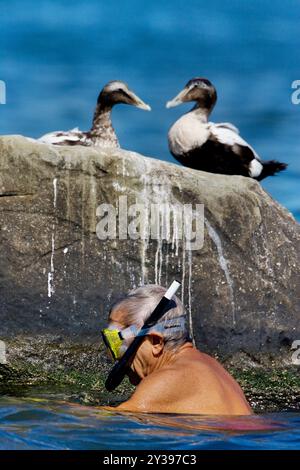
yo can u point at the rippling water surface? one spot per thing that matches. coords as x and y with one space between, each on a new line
55 56
53 424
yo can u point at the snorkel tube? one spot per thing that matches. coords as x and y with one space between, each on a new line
118 372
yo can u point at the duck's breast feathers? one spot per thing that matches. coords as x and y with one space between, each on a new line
186 134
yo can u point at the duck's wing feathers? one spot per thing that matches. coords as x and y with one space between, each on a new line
224 151
224 125
241 157
72 137
227 134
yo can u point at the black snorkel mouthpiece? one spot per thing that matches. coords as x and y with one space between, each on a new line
118 372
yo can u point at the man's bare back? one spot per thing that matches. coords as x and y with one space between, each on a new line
191 382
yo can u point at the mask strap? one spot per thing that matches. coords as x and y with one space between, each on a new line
168 326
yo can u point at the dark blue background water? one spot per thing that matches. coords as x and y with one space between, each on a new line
49 424
56 55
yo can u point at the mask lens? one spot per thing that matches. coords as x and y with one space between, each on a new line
113 342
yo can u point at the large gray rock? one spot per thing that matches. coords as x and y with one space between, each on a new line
57 278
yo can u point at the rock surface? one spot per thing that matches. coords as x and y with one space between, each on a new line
57 278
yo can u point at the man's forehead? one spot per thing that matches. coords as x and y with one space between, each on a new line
117 316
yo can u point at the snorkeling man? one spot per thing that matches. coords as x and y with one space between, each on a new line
171 375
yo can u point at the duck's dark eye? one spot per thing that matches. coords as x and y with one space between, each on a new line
123 92
206 82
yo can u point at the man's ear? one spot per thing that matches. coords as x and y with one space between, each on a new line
157 342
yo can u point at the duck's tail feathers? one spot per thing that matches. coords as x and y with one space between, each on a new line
271 167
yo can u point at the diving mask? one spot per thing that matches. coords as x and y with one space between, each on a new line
113 341
117 341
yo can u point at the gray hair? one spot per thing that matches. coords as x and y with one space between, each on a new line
138 305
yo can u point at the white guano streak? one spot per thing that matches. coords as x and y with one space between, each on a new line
145 235
190 261
51 272
3 353
223 264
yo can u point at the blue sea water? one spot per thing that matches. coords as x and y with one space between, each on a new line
54 425
55 56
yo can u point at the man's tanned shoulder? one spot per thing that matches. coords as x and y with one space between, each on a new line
154 392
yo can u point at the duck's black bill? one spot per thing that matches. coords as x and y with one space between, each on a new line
118 372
